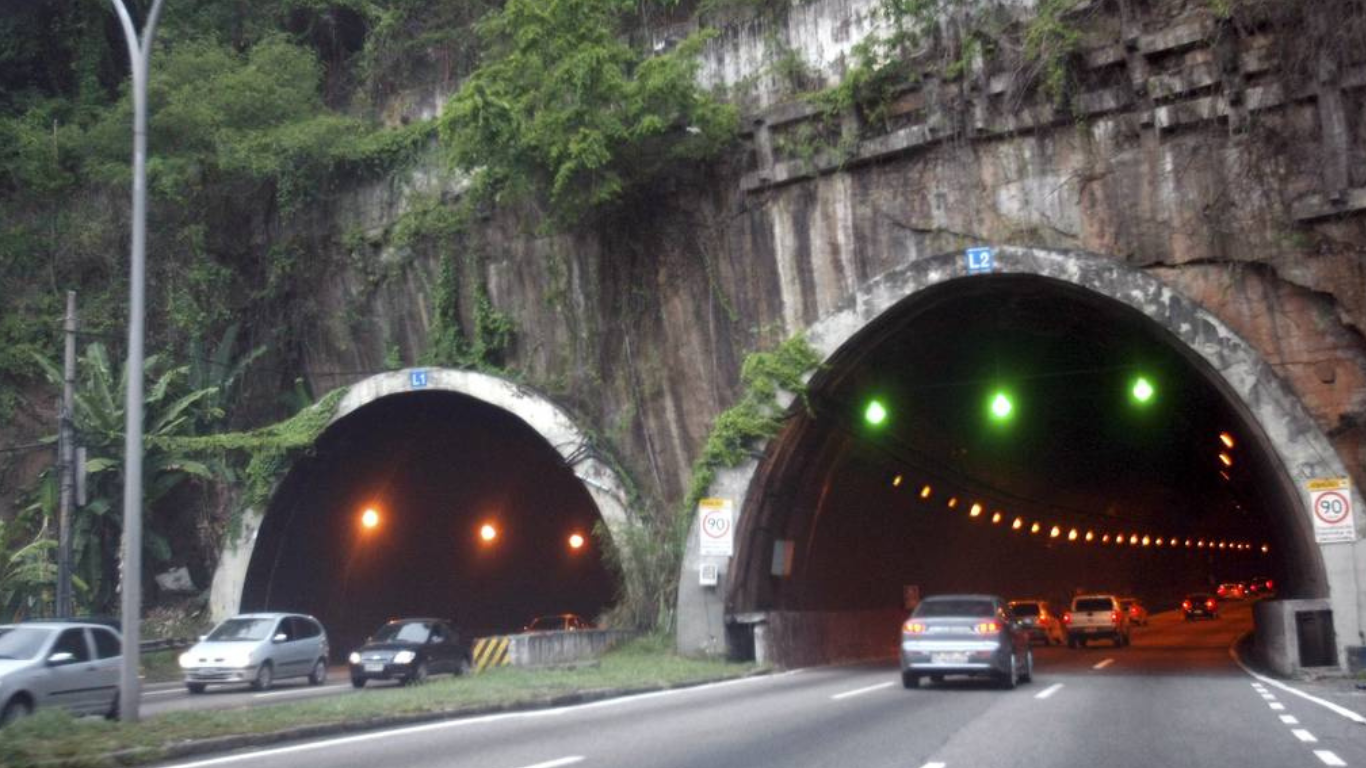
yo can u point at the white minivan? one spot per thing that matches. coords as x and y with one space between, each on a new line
258 649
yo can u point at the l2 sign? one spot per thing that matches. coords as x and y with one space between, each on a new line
981 260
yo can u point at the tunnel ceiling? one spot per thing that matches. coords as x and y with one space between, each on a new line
1077 450
436 466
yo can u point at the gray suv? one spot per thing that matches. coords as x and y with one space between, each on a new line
69 664
258 649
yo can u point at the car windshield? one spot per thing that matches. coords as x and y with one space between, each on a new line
404 632
23 642
548 623
955 607
1095 604
1025 609
241 630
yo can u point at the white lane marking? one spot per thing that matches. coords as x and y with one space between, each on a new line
1303 735
1049 691
1341 710
1290 720
1269 696
869 689
163 693
1103 664
297 691
1276 705
933 765
464 722
557 763
1328 757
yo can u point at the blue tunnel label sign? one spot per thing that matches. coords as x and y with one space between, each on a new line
981 260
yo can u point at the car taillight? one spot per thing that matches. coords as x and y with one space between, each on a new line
987 628
1185 605
1269 584
1067 617
1133 611
1209 604
913 628
1114 617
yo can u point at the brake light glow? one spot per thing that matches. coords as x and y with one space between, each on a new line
1067 617
987 628
913 628
1185 605
1209 604
1114 617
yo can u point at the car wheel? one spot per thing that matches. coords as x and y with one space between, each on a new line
357 682
464 667
196 687
264 677
419 674
910 680
1028 675
319 674
16 709
1011 677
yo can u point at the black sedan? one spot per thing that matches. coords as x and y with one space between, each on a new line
408 650
1200 605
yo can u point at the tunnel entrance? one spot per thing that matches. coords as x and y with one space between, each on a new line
1056 426
435 503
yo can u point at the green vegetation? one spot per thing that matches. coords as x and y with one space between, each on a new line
563 109
55 739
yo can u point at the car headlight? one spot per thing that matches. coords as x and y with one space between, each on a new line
243 660
404 657
354 658
186 660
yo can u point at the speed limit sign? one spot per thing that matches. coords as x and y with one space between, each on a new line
716 526
1330 499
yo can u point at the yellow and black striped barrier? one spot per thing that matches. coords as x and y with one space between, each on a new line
492 652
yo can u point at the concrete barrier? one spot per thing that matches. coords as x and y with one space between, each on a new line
545 649
1278 626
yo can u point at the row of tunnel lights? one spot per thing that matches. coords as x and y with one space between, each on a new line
488 532
1073 534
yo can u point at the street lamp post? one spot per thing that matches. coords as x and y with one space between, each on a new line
139 53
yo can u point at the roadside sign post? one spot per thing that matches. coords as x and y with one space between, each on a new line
1330 502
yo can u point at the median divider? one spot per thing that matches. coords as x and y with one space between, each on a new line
544 649
492 652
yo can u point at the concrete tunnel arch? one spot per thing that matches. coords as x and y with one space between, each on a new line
1297 447
551 422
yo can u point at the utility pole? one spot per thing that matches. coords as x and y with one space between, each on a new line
66 461
139 54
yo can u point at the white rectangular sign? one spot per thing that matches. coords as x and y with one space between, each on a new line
716 527
1330 501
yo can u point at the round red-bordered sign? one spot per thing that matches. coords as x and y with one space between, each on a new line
715 523
1332 507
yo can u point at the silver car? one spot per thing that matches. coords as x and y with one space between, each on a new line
965 635
258 649
68 664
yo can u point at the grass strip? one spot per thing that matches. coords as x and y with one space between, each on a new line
52 738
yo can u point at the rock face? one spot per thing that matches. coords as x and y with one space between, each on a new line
1187 148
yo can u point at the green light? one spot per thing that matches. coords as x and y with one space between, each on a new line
875 414
1001 407
1143 391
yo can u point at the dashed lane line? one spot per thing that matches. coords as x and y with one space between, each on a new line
933 765
1049 691
1269 696
1341 710
1303 735
557 763
1328 758
1290 720
1276 705
859 691
1102 664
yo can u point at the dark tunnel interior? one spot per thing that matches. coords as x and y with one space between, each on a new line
435 467
866 509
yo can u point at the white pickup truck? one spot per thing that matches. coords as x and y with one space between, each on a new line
1095 617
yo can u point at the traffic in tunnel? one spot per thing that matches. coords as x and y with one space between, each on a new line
430 504
1019 436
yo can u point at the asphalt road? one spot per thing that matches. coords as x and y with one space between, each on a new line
1173 698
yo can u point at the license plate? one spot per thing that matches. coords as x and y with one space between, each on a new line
374 667
948 658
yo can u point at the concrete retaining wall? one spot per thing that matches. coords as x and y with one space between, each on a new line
807 638
1277 644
